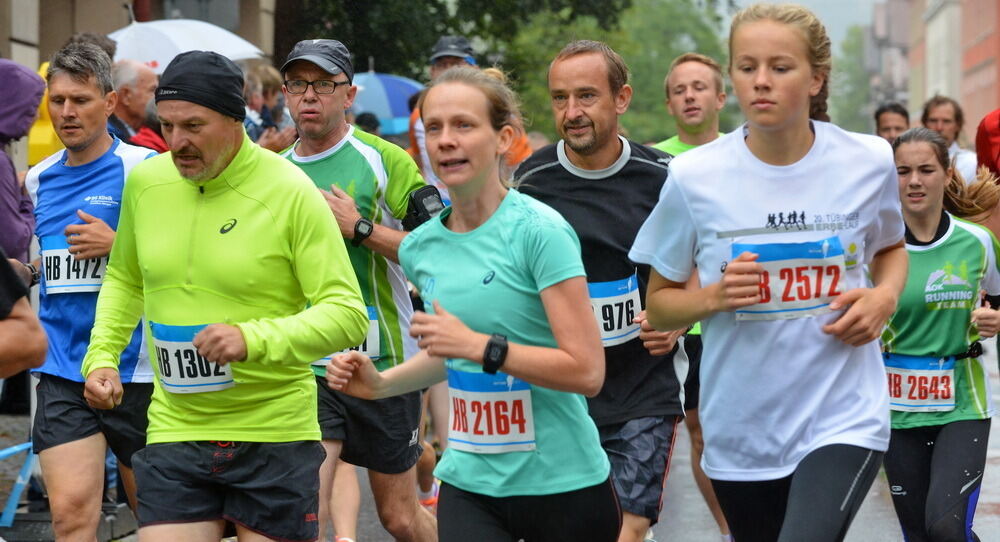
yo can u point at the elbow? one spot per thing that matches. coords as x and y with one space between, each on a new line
40 344
358 328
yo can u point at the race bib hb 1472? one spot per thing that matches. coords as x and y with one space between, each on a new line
64 273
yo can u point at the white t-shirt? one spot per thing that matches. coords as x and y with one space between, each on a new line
774 387
965 162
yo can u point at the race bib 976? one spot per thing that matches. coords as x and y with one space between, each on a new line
182 369
64 273
799 279
616 303
490 414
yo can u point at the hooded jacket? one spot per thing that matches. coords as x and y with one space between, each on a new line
19 98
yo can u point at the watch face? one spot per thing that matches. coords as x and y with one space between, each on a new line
365 228
493 353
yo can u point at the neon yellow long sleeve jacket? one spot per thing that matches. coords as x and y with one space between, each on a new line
255 247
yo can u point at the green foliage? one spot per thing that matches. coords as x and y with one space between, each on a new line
849 86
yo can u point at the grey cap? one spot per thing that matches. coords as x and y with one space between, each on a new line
453 46
330 55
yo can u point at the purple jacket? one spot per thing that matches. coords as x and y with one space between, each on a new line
20 94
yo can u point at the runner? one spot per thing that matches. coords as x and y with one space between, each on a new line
524 460
943 115
77 194
369 185
696 93
781 218
605 186
891 119
222 245
22 339
939 389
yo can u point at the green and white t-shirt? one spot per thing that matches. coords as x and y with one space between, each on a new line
933 318
380 177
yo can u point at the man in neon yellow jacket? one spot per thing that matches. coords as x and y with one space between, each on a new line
234 260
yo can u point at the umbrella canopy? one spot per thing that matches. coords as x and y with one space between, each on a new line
156 43
386 96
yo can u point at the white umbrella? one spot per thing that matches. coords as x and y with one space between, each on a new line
156 43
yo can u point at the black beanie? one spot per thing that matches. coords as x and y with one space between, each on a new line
207 79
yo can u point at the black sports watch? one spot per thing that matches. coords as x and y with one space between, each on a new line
36 275
495 354
363 229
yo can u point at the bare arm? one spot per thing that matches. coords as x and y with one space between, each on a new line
870 308
355 374
22 340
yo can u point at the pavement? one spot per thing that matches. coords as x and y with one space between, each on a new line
685 517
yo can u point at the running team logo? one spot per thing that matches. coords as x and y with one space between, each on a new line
104 201
787 221
948 288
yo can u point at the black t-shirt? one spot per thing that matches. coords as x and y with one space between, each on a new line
606 208
11 287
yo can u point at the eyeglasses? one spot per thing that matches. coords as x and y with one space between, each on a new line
322 86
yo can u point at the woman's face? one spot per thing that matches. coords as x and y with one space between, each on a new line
771 74
464 148
921 179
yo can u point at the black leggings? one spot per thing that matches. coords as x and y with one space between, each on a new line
934 474
590 514
816 502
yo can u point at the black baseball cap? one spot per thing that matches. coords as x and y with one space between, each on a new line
330 55
453 46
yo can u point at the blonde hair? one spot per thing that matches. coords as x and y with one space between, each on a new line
813 32
720 85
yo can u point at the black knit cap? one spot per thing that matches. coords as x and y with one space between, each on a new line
207 79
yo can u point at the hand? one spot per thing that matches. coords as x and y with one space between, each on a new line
740 284
92 239
354 374
103 389
21 176
444 335
221 343
273 140
986 319
21 270
869 310
659 343
344 209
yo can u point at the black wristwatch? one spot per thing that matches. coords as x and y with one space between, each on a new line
36 275
495 354
363 229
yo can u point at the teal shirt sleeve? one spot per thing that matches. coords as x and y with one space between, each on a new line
552 252
120 302
336 318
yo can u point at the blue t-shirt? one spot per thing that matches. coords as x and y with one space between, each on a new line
70 287
491 279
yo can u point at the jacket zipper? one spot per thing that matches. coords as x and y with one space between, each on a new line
194 228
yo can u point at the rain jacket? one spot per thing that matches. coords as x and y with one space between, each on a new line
20 95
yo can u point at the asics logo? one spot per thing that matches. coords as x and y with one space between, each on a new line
489 277
228 226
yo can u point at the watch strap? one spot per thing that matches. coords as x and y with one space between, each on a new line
495 353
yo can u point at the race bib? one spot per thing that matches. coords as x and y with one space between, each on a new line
182 369
372 347
490 414
920 384
64 273
799 279
615 304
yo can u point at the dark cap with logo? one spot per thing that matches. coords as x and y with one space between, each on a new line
453 46
330 55
205 78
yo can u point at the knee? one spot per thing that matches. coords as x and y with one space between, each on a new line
397 516
950 528
72 514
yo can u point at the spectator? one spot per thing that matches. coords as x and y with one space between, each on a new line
106 44
20 95
149 135
369 123
988 142
943 115
134 83
891 119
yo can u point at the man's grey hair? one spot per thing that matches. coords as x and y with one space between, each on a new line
125 73
81 61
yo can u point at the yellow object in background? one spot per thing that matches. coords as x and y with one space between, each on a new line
42 139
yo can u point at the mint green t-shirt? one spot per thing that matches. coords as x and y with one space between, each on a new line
933 318
491 278
380 177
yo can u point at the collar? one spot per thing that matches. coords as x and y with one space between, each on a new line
237 172
942 230
594 174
